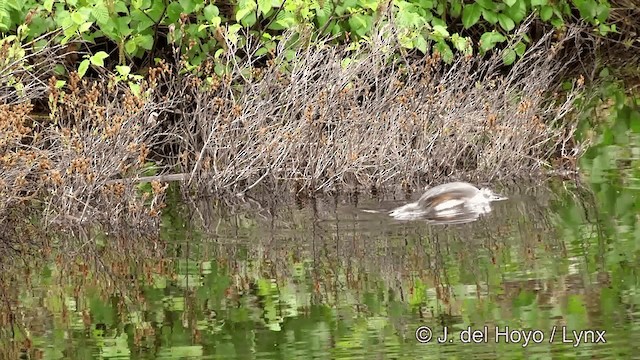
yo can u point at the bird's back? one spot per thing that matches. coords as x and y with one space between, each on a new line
447 192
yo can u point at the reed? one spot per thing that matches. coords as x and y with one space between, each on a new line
314 117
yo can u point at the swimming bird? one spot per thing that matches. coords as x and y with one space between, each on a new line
455 201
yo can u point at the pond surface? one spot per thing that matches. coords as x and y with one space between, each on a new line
550 273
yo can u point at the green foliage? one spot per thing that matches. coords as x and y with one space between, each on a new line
614 116
199 28
96 60
609 110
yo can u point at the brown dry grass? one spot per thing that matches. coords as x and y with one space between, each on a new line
309 124
96 131
382 120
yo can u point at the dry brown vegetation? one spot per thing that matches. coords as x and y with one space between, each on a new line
305 121
381 120
97 131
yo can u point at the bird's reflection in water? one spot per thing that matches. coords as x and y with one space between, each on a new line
457 215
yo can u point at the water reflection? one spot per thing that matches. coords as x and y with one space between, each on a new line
270 277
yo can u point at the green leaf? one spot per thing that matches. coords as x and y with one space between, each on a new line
373 4
604 29
286 20
262 51
5 22
249 20
489 40
233 29
14 4
520 48
144 22
518 11
471 15
546 12
406 41
211 12
587 8
539 2
359 24
123 70
120 7
98 58
130 46
60 84
425 4
188 5
77 18
245 7
509 56
487 4
264 6
135 88
323 14
336 29
232 34
490 16
557 23
216 21
459 42
174 9
509 2
440 31
420 44
85 27
100 13
634 121
445 51
506 22
59 70
242 13
122 25
38 26
109 30
219 69
48 5
456 8
145 41
602 12
84 66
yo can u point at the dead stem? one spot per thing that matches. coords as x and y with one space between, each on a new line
310 121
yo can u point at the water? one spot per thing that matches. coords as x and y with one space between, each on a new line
324 280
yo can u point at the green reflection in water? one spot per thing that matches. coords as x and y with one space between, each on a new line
324 280
327 281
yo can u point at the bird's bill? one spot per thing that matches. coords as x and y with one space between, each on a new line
498 197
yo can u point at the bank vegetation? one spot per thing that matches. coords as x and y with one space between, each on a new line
314 118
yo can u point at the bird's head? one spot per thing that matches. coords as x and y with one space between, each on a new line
491 196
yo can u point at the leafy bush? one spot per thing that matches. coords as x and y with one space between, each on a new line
201 28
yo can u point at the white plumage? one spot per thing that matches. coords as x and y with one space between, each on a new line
451 200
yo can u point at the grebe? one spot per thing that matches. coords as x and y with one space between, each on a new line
449 201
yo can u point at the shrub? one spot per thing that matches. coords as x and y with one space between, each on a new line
143 29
